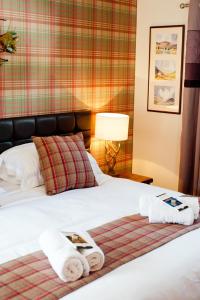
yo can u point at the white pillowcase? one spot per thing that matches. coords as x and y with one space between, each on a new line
20 165
95 167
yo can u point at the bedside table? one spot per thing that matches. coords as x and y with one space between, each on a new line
136 177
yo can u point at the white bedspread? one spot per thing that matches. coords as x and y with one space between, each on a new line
171 272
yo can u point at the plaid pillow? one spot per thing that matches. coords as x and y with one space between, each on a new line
64 163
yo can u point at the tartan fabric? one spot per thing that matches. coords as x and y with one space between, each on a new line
71 55
64 163
31 277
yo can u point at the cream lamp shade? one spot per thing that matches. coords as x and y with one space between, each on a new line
111 126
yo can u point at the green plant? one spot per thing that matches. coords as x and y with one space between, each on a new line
7 43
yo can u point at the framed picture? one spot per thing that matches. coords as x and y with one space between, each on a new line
165 68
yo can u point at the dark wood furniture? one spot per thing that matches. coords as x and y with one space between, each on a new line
136 177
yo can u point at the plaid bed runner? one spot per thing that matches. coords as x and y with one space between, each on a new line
31 276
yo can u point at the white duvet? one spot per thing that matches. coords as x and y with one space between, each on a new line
169 272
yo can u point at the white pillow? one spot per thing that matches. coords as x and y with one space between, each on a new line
95 167
20 165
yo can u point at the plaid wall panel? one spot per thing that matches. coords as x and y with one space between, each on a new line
71 55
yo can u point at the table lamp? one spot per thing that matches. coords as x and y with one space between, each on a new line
111 127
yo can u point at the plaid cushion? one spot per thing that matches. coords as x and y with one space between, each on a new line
31 276
64 163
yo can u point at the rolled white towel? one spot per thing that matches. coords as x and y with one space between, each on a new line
161 212
192 202
95 255
67 264
66 261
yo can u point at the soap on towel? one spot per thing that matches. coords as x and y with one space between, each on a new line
66 261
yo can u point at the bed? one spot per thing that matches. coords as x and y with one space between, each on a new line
172 271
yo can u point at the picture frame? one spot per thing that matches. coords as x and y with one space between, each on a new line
166 50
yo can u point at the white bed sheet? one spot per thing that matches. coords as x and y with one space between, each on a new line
171 272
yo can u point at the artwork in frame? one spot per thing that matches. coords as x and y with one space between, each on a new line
165 68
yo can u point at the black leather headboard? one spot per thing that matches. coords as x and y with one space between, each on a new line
16 131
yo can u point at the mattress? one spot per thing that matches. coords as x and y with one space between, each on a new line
169 272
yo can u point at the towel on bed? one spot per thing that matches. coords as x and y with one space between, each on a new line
66 261
161 212
151 206
192 202
94 255
146 200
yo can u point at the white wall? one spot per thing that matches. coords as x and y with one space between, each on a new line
156 135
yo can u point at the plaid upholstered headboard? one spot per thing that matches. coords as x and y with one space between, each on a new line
16 131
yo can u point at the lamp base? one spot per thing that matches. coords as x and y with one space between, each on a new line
111 152
113 173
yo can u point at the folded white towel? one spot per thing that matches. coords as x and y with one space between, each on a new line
192 202
95 255
146 200
161 212
66 261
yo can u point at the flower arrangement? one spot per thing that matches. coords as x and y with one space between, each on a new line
8 43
